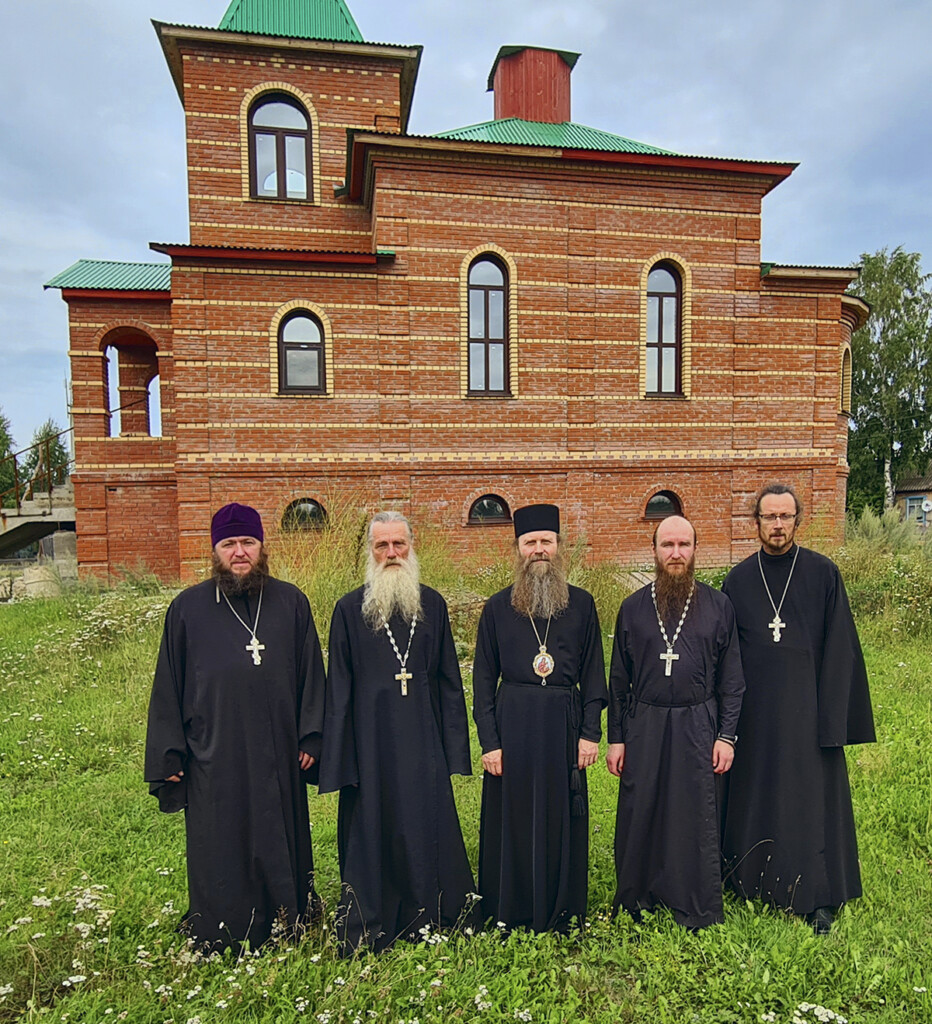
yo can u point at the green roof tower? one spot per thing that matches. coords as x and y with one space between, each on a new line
294 19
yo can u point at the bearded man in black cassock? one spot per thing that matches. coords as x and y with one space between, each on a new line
789 834
675 696
539 690
235 722
395 730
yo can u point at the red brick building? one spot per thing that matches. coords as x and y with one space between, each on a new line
523 310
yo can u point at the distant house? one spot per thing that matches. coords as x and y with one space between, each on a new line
524 309
914 499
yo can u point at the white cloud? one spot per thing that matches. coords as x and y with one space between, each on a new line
93 158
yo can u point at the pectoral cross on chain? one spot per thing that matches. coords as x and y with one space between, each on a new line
669 658
403 678
254 647
776 625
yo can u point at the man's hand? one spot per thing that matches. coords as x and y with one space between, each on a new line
304 760
175 778
615 758
723 754
588 754
492 762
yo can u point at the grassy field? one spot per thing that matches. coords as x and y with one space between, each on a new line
92 877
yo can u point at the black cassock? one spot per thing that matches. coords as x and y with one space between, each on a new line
402 858
534 840
667 850
788 833
235 729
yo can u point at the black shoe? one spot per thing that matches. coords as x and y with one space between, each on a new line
821 920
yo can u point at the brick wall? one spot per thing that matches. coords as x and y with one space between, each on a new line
761 358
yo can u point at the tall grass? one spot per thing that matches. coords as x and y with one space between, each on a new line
92 876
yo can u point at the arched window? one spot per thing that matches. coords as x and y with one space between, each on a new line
488 327
663 504
844 403
490 508
304 514
279 149
155 406
301 367
664 331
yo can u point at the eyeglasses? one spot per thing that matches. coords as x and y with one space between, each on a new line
775 517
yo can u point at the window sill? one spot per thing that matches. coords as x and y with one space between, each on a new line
507 395
669 396
302 394
277 199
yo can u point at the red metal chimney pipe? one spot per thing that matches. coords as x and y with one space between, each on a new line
532 83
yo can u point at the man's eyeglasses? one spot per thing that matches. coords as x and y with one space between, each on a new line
774 517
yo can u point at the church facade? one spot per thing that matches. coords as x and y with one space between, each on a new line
526 309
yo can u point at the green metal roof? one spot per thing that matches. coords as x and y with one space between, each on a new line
115 275
565 135
294 19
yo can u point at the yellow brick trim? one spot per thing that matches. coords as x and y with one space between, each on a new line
375 458
214 198
223 226
510 425
310 110
542 229
87 467
844 379
318 311
686 319
571 203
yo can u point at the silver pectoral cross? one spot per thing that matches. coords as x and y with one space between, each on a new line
403 678
254 647
776 625
669 658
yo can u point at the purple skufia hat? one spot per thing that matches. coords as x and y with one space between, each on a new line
235 520
536 517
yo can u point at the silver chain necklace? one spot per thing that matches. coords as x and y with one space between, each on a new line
253 646
670 657
543 663
777 624
403 676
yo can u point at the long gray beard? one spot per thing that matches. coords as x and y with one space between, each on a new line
541 593
391 591
673 592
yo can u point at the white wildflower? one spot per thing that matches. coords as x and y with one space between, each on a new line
41 901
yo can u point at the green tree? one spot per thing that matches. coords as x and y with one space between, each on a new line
891 354
7 447
34 464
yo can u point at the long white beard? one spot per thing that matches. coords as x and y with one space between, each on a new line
391 590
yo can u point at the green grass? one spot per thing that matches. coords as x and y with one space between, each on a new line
99 873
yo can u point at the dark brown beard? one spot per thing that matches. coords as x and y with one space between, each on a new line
673 591
236 586
540 594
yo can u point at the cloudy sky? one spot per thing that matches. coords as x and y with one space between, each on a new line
92 144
